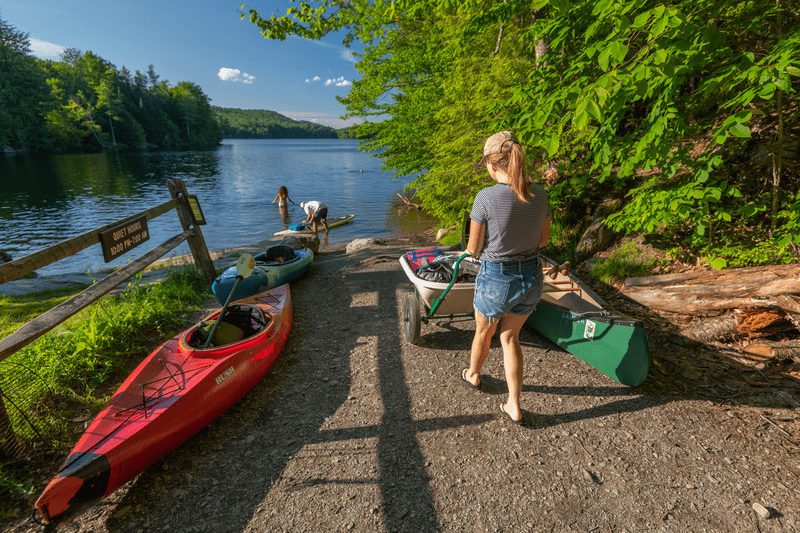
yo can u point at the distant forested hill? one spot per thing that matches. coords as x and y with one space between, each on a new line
263 124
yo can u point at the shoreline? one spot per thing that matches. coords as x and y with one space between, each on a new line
158 269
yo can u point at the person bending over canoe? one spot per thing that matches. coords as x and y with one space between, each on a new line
510 222
315 212
283 196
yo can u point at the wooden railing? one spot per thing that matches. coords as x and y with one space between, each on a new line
42 324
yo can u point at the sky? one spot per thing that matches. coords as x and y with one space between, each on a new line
200 41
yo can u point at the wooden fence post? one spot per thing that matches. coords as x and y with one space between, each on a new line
197 244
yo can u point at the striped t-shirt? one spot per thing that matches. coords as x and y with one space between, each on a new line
513 228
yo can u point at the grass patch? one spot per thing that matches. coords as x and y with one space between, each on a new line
626 261
17 310
69 373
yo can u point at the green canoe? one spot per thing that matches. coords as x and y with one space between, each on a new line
580 322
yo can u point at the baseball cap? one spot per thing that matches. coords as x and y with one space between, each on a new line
494 144
302 205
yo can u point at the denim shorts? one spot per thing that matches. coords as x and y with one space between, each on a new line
510 287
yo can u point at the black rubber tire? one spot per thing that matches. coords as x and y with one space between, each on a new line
411 320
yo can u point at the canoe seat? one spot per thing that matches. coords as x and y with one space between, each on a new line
240 322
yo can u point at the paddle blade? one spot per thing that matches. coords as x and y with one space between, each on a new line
245 265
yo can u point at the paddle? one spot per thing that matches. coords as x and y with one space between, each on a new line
244 267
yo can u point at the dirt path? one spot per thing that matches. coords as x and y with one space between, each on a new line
353 430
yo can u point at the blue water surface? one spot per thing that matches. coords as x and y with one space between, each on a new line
45 199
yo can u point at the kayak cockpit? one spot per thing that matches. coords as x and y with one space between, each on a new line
241 321
276 255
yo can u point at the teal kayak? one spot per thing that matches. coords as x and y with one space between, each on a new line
274 267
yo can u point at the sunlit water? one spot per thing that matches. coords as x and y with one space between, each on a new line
45 199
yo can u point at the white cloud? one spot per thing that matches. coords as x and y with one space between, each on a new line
315 78
234 74
347 55
338 82
45 50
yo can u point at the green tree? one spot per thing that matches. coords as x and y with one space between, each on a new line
22 87
663 103
191 109
68 121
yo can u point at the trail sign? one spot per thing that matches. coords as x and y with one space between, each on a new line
197 213
124 237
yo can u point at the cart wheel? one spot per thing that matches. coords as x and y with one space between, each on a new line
411 322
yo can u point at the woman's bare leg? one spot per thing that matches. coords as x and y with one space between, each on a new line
484 329
510 326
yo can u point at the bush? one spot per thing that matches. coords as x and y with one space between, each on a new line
625 261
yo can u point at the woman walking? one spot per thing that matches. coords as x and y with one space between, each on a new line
510 223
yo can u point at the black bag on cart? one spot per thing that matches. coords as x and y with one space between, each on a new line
439 271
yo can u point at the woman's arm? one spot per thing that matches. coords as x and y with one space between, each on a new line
276 198
477 232
545 234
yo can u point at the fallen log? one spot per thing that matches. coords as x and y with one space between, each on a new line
706 330
762 322
711 292
779 350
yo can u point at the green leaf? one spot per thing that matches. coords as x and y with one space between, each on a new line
603 59
641 20
594 110
783 84
581 118
740 130
793 71
551 145
619 50
658 26
718 263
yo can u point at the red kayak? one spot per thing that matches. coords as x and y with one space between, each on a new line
175 392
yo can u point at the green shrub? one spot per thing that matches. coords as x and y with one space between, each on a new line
625 261
757 254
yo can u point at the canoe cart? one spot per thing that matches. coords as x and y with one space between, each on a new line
569 314
434 299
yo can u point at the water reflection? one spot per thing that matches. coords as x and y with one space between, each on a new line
284 209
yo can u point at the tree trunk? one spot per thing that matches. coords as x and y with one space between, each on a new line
113 137
777 157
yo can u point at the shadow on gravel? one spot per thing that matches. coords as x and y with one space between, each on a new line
293 455
265 465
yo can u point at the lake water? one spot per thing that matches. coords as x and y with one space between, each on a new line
45 199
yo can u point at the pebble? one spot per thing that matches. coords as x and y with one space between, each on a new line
761 511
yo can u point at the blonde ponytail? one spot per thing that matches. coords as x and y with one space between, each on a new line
512 162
